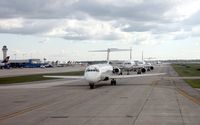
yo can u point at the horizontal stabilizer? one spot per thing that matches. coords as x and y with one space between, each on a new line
110 50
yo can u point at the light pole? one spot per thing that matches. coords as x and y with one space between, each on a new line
24 56
15 56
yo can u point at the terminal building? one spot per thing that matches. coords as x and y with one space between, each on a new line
25 63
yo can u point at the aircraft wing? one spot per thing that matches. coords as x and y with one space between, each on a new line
132 76
65 77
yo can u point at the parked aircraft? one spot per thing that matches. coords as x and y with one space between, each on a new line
4 63
103 72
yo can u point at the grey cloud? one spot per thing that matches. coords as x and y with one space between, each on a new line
195 34
193 20
42 9
133 26
81 34
165 28
35 8
145 11
154 27
181 36
42 16
76 37
31 27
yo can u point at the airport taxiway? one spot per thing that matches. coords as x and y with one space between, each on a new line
136 101
30 71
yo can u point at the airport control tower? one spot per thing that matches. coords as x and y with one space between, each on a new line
4 49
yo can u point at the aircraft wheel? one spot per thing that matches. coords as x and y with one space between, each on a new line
143 70
113 82
92 86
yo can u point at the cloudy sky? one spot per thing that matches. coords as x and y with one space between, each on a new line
68 29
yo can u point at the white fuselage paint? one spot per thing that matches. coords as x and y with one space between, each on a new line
144 64
98 72
129 64
141 63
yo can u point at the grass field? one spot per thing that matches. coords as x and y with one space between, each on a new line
37 77
189 70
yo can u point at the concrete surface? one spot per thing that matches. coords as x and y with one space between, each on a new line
138 101
28 71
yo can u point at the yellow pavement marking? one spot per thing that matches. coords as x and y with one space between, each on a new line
185 94
154 83
20 112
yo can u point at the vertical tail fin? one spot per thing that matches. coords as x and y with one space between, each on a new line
6 59
142 57
110 50
130 53
108 56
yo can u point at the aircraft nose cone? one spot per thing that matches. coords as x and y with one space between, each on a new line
92 78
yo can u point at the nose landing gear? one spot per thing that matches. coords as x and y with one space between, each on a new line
91 85
113 82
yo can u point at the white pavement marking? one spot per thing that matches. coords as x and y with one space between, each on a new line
38 85
31 71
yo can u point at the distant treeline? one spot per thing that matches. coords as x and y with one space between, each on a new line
181 61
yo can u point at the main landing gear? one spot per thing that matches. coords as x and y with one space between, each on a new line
91 85
139 71
113 82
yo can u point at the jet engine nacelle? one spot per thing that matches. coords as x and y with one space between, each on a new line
117 71
151 67
143 70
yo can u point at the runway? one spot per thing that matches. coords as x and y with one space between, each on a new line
136 101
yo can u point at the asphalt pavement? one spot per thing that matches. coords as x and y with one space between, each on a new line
138 101
30 71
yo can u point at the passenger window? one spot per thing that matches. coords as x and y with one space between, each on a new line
92 70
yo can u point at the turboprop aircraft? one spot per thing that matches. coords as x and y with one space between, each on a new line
103 72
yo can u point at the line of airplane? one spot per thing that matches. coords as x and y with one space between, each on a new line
103 72
138 66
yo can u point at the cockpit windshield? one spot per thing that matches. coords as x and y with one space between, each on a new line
92 70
